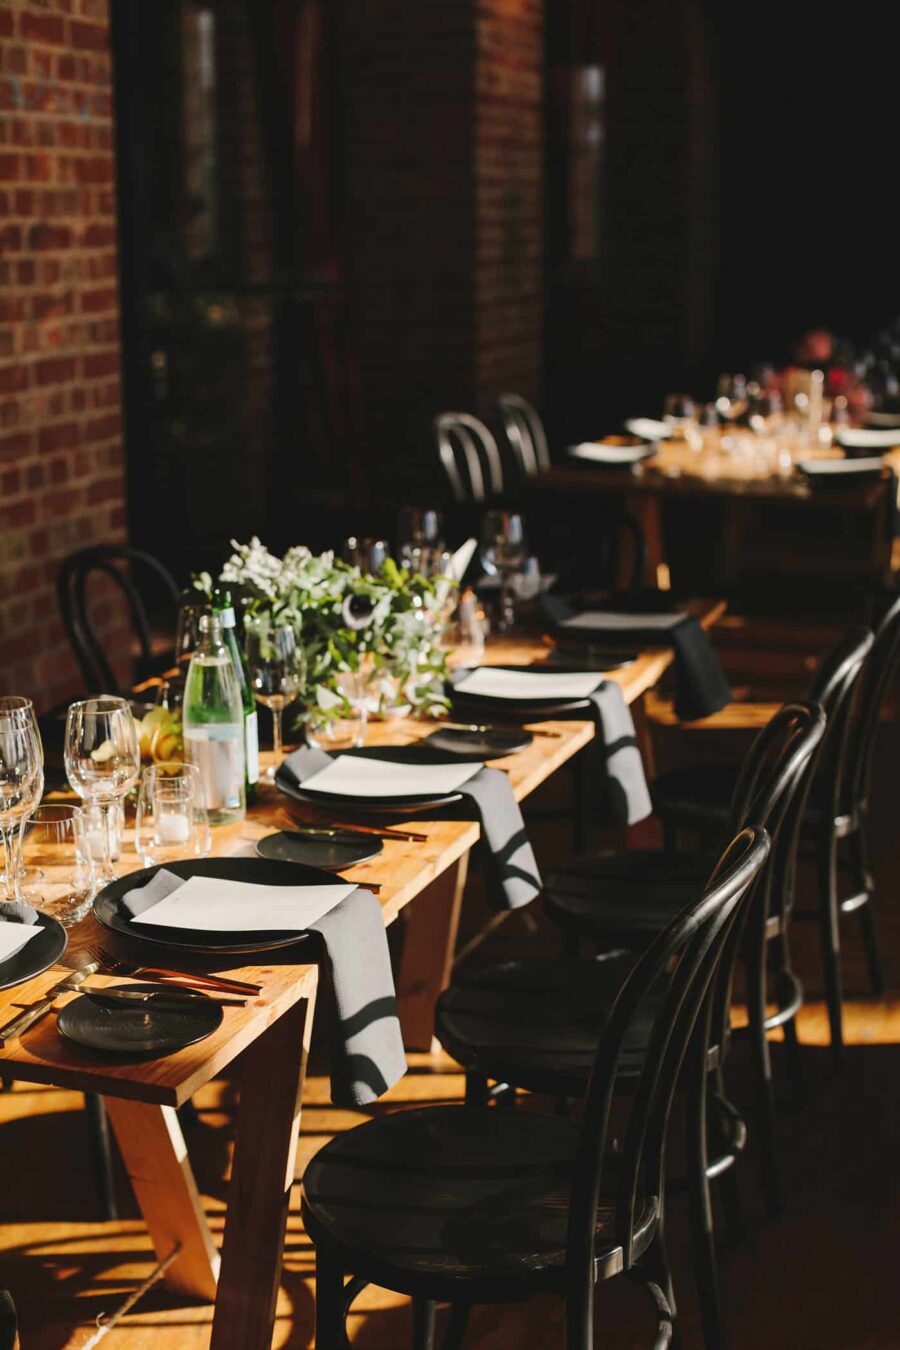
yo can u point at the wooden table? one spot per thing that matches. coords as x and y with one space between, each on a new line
855 533
270 1036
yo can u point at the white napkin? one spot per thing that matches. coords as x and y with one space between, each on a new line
492 682
358 776
614 621
869 438
13 937
826 467
213 905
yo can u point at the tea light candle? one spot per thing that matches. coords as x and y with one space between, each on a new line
173 829
96 842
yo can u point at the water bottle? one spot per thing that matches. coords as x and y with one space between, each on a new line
223 608
214 724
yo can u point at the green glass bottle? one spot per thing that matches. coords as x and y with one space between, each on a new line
223 608
213 714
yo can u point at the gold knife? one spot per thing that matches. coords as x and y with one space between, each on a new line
10 1030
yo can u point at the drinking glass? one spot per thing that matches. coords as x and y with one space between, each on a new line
731 402
21 781
58 864
343 726
277 673
503 548
680 416
171 820
191 609
367 554
103 760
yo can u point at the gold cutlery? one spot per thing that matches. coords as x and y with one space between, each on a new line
480 730
15 1027
113 965
174 998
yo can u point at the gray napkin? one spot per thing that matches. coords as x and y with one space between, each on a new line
17 911
367 1050
510 863
627 795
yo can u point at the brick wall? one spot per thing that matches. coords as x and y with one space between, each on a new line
508 198
61 474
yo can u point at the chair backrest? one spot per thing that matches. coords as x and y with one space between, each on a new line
525 434
120 563
686 956
469 455
9 1339
878 675
833 687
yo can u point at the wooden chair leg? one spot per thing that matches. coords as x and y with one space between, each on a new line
424 1315
331 1333
762 1068
702 1236
829 920
101 1156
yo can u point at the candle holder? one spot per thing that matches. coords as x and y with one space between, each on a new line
171 819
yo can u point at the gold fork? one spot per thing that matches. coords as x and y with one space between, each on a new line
10 1030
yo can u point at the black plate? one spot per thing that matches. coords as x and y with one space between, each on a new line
133 1030
259 871
38 954
333 854
401 754
479 745
468 704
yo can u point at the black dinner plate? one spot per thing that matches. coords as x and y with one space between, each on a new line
133 1030
334 855
401 754
258 871
479 745
38 954
468 704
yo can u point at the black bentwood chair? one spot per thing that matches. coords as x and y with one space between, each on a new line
469 456
852 685
9 1338
474 1205
122 565
536 1025
525 434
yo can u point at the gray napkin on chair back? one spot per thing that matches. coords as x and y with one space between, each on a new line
627 794
510 863
366 1044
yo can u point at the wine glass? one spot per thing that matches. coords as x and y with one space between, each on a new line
21 781
503 548
103 760
732 397
277 673
680 416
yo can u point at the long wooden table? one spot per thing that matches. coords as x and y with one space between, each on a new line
271 1035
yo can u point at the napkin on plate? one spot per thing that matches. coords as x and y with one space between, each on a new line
511 864
701 688
17 911
367 1050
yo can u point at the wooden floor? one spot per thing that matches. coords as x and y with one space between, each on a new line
823 1275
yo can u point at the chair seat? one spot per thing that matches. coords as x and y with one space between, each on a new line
624 899
696 798
537 1025
433 1202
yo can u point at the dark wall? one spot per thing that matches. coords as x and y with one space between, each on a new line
810 119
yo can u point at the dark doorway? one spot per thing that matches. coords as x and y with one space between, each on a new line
238 410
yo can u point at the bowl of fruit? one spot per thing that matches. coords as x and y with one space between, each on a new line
160 733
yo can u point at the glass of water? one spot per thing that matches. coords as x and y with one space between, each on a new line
58 865
171 820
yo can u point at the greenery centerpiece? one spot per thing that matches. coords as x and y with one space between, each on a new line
386 626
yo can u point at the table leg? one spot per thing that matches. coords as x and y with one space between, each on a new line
268 1119
428 947
155 1156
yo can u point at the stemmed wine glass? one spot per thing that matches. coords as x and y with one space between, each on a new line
103 760
21 781
503 548
277 673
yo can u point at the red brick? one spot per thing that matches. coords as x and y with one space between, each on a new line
89 36
10 168
47 28
56 370
98 301
60 436
44 237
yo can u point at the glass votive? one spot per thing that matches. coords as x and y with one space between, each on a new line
171 820
59 870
